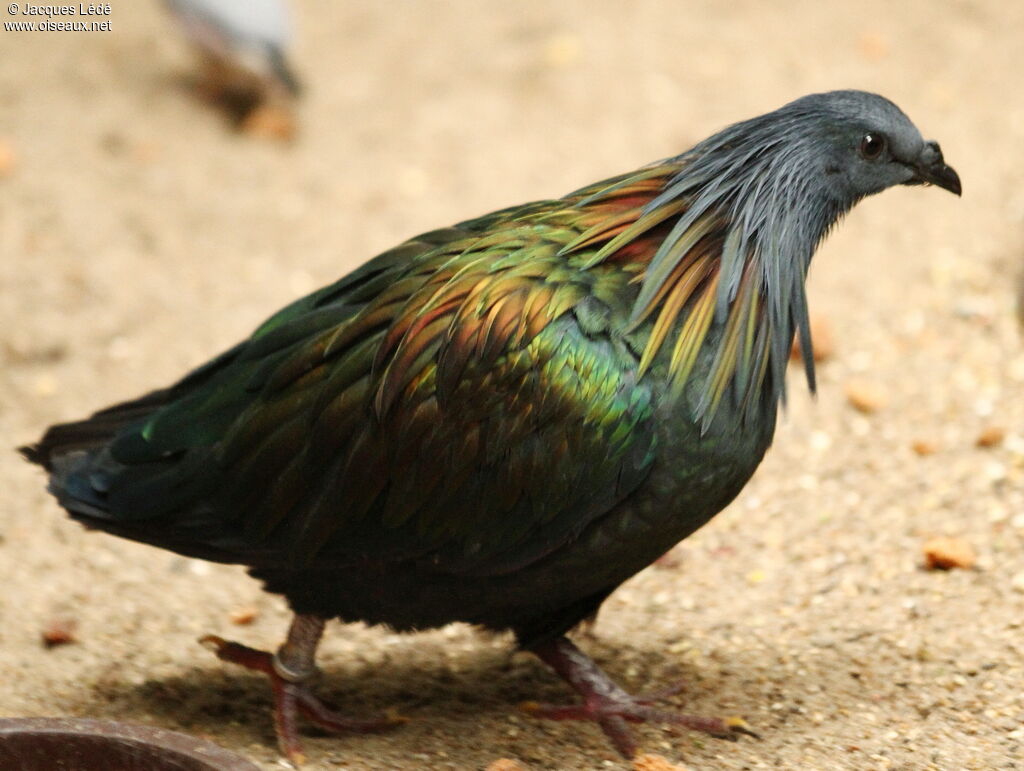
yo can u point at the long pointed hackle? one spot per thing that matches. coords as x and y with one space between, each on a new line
701 273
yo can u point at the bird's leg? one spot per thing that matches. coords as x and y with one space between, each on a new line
290 670
610 706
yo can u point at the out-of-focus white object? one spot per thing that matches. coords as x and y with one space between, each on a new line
243 46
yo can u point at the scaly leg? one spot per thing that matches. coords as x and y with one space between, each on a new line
289 671
610 706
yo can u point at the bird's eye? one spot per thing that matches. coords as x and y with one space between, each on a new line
872 146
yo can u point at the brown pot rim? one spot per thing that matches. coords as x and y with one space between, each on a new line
93 734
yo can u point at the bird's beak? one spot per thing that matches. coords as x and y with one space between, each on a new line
932 169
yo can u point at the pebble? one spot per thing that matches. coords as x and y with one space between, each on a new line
60 630
270 122
6 157
865 396
945 553
992 436
822 339
652 762
243 616
506 764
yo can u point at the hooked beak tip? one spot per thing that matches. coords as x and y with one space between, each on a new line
933 170
947 179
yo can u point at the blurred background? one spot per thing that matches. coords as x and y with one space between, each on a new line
143 229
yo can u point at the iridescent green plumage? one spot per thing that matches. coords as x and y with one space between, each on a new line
500 422
494 361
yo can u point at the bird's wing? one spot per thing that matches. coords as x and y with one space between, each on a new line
460 399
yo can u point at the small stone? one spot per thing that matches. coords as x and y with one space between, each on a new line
60 630
822 338
992 436
865 396
270 122
650 762
924 447
945 553
243 616
506 764
6 157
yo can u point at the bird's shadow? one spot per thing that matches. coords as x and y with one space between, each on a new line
459 692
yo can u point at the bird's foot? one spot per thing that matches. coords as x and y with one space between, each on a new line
613 713
292 698
611 707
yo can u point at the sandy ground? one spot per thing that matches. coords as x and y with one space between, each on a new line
139 236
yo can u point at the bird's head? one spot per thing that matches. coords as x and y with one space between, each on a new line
761 194
811 159
781 180
865 144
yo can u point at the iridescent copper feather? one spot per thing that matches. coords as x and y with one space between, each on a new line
684 297
436 339
481 301
500 422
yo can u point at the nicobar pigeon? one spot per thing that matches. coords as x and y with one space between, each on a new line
501 421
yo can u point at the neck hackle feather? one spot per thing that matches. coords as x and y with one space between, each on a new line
745 216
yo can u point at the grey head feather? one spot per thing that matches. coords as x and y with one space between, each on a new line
780 181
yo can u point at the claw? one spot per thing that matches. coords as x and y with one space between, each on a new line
289 673
212 642
736 726
608 705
